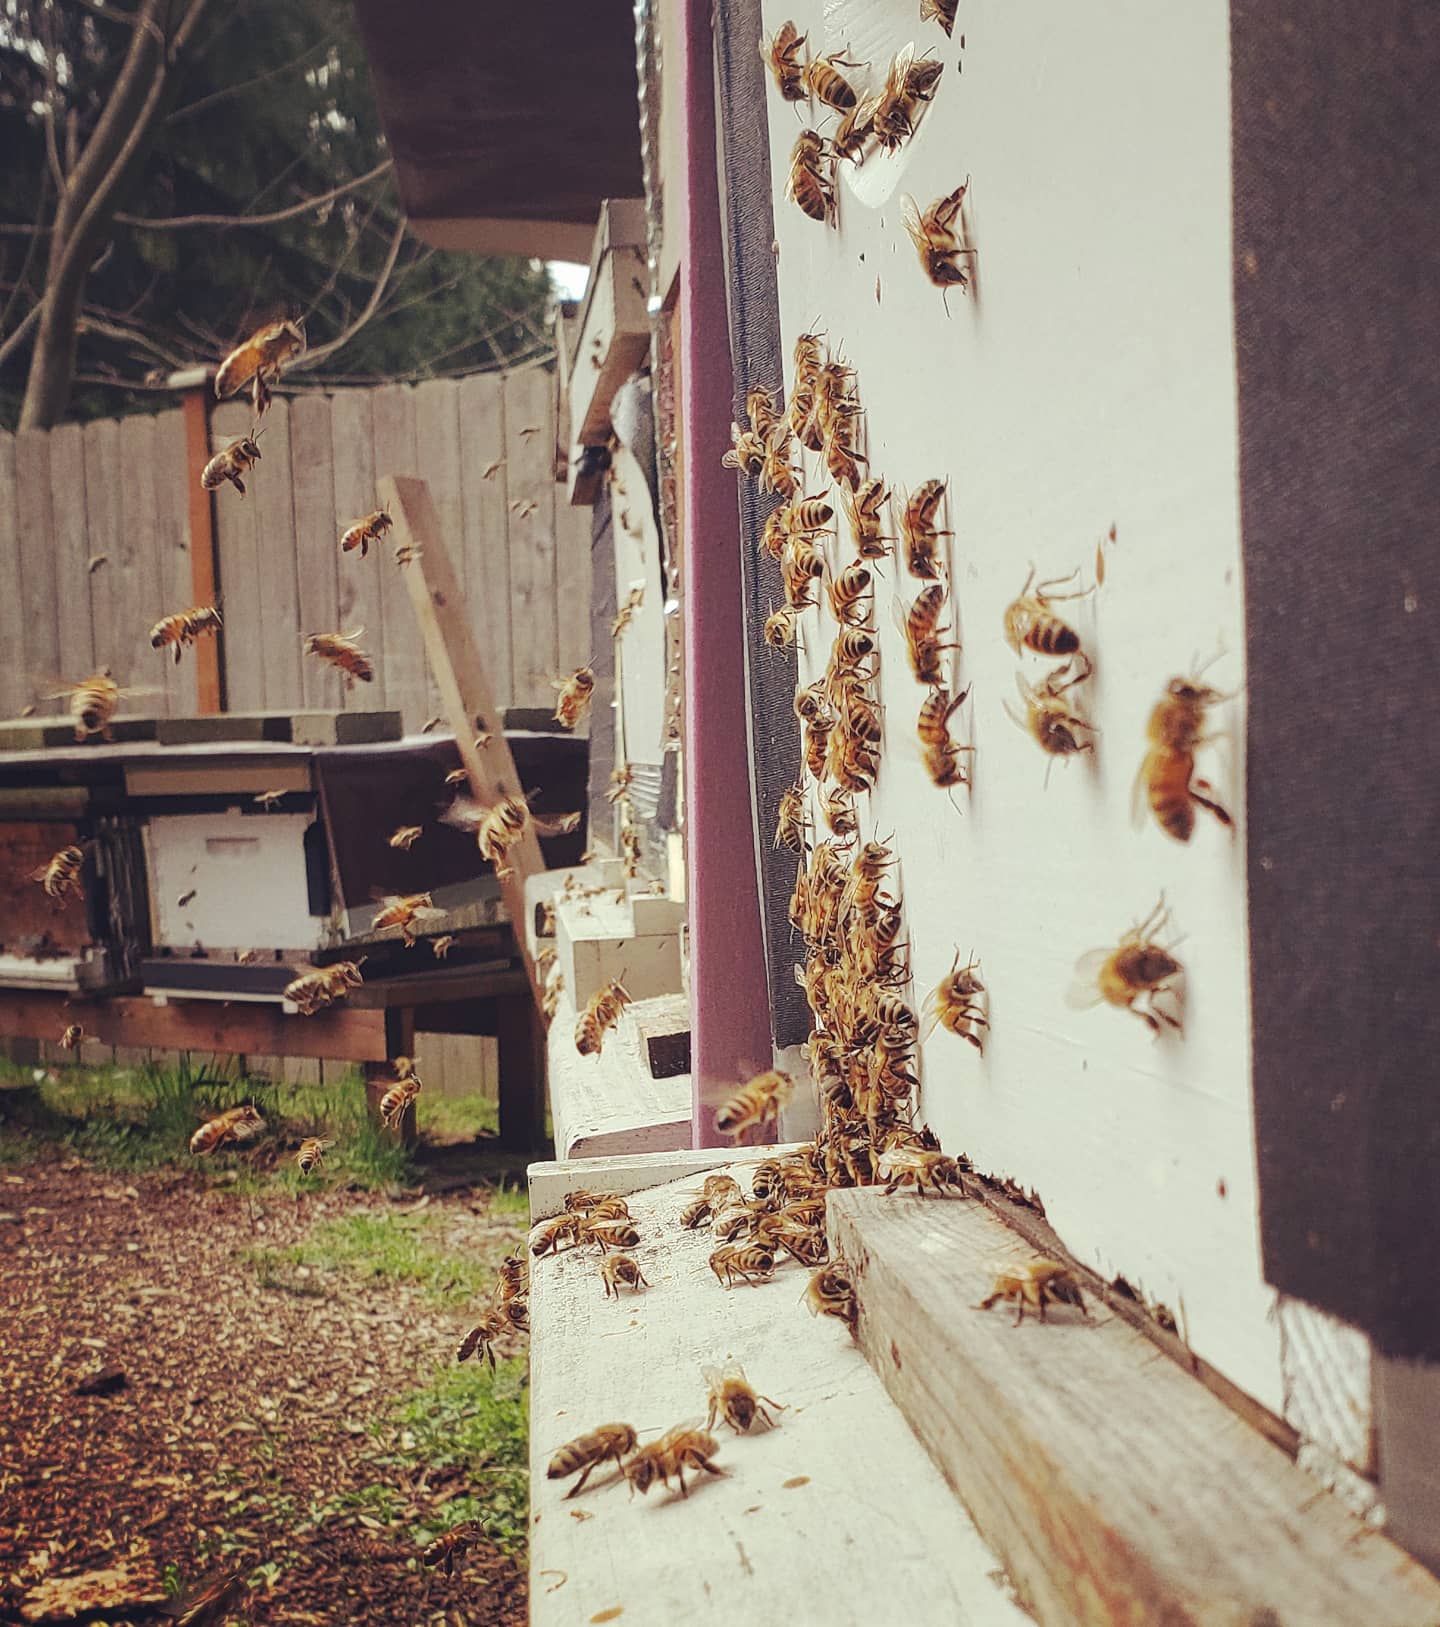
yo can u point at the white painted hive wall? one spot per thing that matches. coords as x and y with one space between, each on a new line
1090 382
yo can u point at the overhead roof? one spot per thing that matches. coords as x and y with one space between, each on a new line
508 123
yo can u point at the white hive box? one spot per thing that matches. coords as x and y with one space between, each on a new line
636 940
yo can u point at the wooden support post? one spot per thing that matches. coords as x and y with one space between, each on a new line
204 555
521 1044
380 1076
459 674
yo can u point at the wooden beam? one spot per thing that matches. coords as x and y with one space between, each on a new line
438 986
204 553
240 1028
460 676
1113 1485
520 1040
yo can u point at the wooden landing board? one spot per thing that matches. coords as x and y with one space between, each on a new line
835 1516
1114 1486
634 1172
238 1029
609 1104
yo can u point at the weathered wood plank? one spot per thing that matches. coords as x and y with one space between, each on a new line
70 545
172 550
137 576
392 411
17 687
1114 1486
486 578
312 471
37 584
236 547
572 583
529 463
102 518
277 554
437 454
360 601
209 689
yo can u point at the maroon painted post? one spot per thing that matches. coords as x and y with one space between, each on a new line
730 1021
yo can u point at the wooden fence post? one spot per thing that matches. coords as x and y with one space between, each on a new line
194 385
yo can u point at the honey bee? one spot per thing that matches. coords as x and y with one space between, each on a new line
779 629
778 475
732 1399
60 874
232 463
720 1189
323 986
922 1169
364 532
850 595
499 828
695 1214
782 51
626 613
405 836
233 1127
610 1443
259 361
510 1281
312 1154
750 1262
184 628
937 240
341 650
621 780
92 703
757 1103
402 912
1036 1283
620 1269
451 1547
801 564
1166 782
838 810
831 1293
747 454
491 1327
898 108
268 799
954 1004
920 533
1131 975
1048 720
940 11
810 183
71 1037
827 84
608 1234
678 1449
400 1096
574 697
457 776
855 129
547 1238
940 753
791 823
807 517
599 1016
862 506
1030 623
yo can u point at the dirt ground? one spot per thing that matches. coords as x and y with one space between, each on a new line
254 1428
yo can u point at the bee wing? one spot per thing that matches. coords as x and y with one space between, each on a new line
900 70
733 1370
713 1377
914 223
1083 992
555 824
464 814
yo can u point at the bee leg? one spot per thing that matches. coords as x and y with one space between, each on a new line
710 1468
1205 802
680 1476
579 1484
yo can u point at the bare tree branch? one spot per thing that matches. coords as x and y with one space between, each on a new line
377 293
11 344
227 91
172 223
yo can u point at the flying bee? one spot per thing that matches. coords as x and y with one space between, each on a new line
60 873
1031 624
779 629
620 1270
1057 730
862 506
937 240
747 454
956 1003
402 911
268 799
920 533
626 613
922 1169
450 1548
231 1128
400 1096
831 1293
610 1443
93 702
232 463
1036 1283
71 1037
259 361
312 1154
850 595
781 51
855 129
825 82
940 11
756 1103
791 823
405 837
184 628
499 828
574 697
314 990
810 182
364 532
732 1399
341 650
599 1016
750 1262
1166 782
678 1449
1131 975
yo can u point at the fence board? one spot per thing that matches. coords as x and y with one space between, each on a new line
237 545
137 578
172 553
392 412
276 555
37 584
360 604
16 687
70 546
437 441
529 460
316 542
486 550
572 582
102 522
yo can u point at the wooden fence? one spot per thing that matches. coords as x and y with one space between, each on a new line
117 492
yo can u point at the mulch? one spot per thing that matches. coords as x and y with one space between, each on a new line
223 1414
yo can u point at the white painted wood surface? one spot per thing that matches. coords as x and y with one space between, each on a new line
640 649
596 941
1090 381
835 1516
634 1172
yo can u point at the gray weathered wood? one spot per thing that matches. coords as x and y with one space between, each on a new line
316 542
237 544
1113 1485
437 444
102 518
486 579
70 541
529 462
277 557
392 410
17 688
37 585
137 576
360 603
172 552
572 583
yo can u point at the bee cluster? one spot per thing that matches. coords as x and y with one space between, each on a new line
507 1313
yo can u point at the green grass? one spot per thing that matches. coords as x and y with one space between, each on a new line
458 1118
